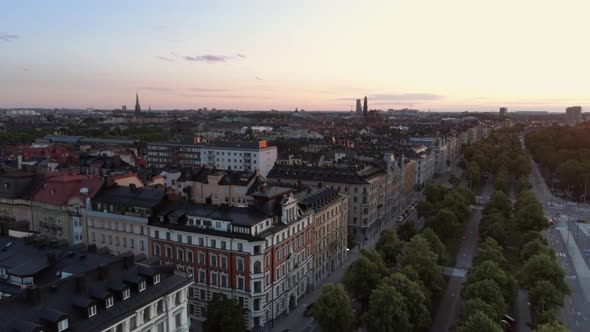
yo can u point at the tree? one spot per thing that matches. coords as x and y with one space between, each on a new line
531 217
387 311
467 195
224 314
500 202
425 209
333 310
436 245
407 230
489 291
389 247
522 184
494 225
542 267
490 250
418 255
479 322
501 182
473 174
490 270
545 297
445 224
435 193
416 302
534 247
474 305
456 203
554 326
364 274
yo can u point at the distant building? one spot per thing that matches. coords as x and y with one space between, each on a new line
573 115
124 108
137 107
365 106
359 109
239 156
503 111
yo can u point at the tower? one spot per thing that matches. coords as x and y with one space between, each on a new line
137 107
359 110
365 106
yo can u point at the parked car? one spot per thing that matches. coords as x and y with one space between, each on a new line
308 309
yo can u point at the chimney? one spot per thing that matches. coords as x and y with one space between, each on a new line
20 161
103 272
33 295
80 283
51 258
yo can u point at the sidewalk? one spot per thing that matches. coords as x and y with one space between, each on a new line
582 271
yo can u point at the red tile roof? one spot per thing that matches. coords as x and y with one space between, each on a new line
59 190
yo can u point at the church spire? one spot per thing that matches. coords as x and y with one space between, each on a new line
137 107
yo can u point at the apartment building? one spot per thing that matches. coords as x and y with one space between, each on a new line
16 189
118 218
58 208
330 221
261 256
364 185
238 156
120 296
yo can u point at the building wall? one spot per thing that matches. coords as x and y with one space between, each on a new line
119 233
331 235
16 209
54 222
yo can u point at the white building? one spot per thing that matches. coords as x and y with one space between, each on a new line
240 156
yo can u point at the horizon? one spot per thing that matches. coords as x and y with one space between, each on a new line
454 56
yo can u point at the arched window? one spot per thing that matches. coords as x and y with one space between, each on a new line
240 264
257 267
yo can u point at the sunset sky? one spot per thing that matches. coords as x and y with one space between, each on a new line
317 55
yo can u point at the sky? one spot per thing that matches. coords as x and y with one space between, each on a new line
451 55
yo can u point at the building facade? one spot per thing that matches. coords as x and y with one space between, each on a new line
239 156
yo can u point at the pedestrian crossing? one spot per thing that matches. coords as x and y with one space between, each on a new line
560 254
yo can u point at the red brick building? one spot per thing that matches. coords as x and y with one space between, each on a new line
261 256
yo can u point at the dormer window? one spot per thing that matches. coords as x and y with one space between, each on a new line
109 302
126 293
156 279
142 286
63 325
92 310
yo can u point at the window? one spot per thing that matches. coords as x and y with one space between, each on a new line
178 320
168 252
257 267
126 293
223 261
132 323
179 254
160 307
179 238
146 314
92 310
240 283
256 304
62 325
257 287
213 244
189 256
119 328
156 250
109 302
156 279
213 260
142 286
223 280
177 298
240 264
201 258
240 247
256 250
213 279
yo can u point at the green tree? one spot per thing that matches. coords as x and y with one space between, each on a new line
456 203
473 174
418 255
472 306
490 270
416 302
435 193
538 246
478 321
500 202
554 326
436 245
389 246
490 250
425 209
364 274
387 311
542 267
224 314
407 230
545 296
489 291
531 217
333 310
445 224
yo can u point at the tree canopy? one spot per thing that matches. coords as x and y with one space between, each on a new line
333 310
224 314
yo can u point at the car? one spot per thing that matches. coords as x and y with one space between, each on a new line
307 312
551 222
400 219
412 208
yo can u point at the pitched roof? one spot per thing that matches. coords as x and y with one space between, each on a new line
58 190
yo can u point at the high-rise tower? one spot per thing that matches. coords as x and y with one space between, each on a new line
365 106
359 109
137 107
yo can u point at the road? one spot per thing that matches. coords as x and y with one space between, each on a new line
575 313
450 305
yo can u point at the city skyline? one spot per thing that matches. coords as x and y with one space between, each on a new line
451 56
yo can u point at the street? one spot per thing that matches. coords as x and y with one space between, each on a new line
449 306
575 313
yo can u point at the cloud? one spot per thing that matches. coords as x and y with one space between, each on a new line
155 88
8 37
164 58
389 97
259 78
211 58
207 90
